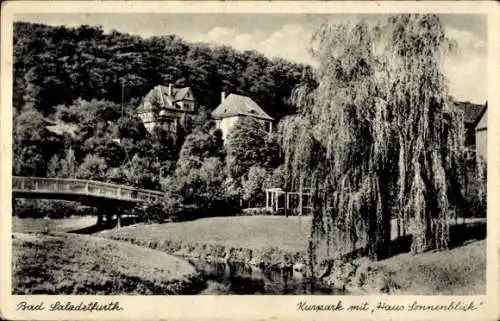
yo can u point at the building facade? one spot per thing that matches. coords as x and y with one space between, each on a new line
167 106
233 108
482 134
472 114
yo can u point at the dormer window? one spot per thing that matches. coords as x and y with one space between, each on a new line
162 113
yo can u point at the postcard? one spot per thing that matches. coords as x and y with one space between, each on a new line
249 160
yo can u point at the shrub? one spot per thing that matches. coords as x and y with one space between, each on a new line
24 208
256 211
173 208
154 212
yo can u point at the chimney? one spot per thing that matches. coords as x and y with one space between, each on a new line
222 96
170 89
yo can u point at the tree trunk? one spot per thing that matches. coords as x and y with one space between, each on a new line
398 225
383 220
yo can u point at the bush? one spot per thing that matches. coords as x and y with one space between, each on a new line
256 211
24 208
82 210
153 212
173 209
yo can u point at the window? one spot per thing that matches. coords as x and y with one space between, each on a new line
146 117
268 126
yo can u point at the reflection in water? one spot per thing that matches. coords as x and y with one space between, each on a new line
237 278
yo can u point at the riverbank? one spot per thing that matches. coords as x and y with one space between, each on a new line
67 224
268 242
63 263
458 271
261 241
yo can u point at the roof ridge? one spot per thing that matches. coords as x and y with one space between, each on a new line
236 104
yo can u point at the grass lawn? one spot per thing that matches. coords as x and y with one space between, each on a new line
61 263
33 225
459 271
253 232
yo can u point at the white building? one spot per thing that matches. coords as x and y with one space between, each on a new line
235 107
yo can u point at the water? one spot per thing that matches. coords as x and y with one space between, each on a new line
234 278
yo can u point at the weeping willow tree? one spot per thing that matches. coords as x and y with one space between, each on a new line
376 137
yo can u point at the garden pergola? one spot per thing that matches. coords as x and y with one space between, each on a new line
277 199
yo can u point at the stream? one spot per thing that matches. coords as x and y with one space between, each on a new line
237 278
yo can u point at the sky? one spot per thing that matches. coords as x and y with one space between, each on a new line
288 36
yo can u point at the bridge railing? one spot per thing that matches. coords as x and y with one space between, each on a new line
86 187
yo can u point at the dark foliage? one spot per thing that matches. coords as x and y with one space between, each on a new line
56 65
49 208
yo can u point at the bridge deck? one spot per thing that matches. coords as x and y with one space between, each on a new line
76 189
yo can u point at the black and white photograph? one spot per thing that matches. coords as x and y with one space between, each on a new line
249 153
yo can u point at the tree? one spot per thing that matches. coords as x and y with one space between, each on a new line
377 135
199 175
28 161
129 127
112 152
201 121
81 110
93 167
33 144
164 145
276 178
54 166
249 144
139 173
252 184
68 164
31 89
211 174
198 146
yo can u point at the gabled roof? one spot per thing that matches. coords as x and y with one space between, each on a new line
160 94
181 93
472 112
482 122
235 105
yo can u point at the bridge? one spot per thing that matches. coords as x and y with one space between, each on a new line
87 192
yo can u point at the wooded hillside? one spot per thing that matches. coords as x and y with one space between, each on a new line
56 65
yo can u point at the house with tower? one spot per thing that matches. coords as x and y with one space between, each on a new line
167 106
